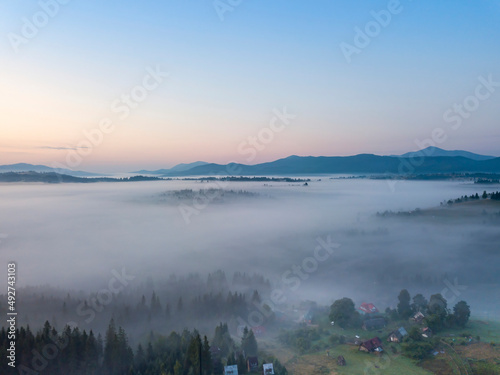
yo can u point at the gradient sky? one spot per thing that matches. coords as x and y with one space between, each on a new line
227 76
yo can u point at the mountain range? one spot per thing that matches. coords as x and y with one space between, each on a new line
178 168
429 160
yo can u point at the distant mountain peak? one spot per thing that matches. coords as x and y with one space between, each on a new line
433 151
177 168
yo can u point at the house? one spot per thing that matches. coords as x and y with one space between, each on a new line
397 335
252 364
308 316
268 369
231 370
426 332
371 324
368 308
418 317
372 345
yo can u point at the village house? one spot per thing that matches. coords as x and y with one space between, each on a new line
426 332
372 345
252 364
368 308
308 317
418 317
268 369
231 370
397 335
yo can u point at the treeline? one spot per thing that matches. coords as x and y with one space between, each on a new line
55 178
436 313
175 303
77 352
493 196
212 194
248 179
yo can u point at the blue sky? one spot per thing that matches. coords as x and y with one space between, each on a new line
226 77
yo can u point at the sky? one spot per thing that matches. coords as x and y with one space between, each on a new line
117 86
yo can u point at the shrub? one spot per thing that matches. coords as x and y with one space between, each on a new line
333 339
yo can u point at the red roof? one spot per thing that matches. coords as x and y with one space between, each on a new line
368 308
372 344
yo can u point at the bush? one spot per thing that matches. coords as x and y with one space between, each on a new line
417 350
482 368
333 339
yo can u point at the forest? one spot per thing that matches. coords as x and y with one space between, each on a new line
77 352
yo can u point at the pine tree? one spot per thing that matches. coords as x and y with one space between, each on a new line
256 297
193 354
110 348
178 370
242 364
91 354
461 313
206 357
404 309
231 359
249 343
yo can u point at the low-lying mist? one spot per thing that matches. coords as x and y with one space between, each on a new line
317 242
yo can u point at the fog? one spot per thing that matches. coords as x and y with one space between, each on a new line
72 237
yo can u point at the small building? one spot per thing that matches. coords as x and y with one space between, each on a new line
368 308
372 345
426 332
231 370
397 335
371 324
308 316
252 364
341 361
418 317
268 369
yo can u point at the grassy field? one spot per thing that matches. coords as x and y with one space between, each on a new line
459 355
489 331
358 363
